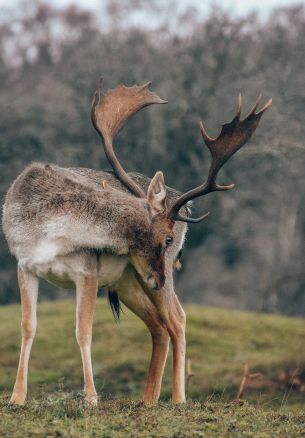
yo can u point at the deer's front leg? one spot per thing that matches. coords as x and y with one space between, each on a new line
135 298
176 329
86 291
173 316
28 285
159 353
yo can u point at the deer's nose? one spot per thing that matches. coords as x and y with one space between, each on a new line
155 282
161 281
151 282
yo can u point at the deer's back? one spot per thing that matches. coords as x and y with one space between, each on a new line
42 191
47 207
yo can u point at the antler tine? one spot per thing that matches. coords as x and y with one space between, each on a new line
146 85
207 139
253 109
232 137
266 106
239 105
191 220
109 113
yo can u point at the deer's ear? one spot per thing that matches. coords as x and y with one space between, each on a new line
156 194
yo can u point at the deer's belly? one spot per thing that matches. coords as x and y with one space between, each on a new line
110 269
63 271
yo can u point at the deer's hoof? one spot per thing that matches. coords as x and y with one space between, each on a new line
17 398
91 400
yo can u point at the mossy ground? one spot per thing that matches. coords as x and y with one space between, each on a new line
218 340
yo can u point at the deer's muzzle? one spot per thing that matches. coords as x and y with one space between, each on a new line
155 281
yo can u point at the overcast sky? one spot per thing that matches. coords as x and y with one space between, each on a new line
237 7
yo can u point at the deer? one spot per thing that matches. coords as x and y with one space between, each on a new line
89 229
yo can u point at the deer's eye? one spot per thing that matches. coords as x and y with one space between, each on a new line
168 240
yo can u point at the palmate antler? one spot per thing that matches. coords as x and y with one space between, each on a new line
232 137
110 112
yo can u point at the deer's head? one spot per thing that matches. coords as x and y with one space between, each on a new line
109 113
148 232
151 243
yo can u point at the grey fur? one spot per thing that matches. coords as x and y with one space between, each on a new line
71 206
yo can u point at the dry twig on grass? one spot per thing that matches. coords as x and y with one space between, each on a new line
247 377
189 374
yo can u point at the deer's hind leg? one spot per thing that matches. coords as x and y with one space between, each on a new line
86 292
28 285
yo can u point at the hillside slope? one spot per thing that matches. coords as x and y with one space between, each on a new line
218 342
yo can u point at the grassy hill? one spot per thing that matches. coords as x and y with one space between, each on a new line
218 342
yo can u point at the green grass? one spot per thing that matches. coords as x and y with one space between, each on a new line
218 342
67 416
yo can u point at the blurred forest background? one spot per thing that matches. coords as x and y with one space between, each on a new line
250 252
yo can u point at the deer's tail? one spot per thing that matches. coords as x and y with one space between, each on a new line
115 304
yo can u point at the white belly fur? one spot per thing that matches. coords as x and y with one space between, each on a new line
63 270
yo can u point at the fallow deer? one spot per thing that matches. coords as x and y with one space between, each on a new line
88 229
